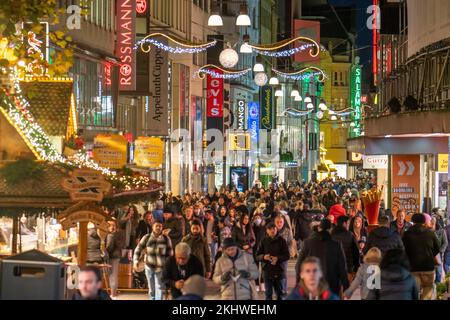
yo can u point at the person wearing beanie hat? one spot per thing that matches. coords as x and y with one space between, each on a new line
421 247
194 288
235 271
173 227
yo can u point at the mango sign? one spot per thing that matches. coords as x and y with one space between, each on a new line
110 150
149 152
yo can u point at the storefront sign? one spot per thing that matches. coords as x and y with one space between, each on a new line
239 141
149 152
443 162
240 114
158 118
253 121
405 183
96 218
110 151
267 108
375 162
125 22
356 97
36 45
141 6
214 87
355 157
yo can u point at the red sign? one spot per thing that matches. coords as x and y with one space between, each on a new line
141 6
126 18
405 183
364 98
214 105
107 71
308 29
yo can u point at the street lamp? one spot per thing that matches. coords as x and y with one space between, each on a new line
294 91
215 20
298 98
258 67
274 81
308 100
322 105
243 19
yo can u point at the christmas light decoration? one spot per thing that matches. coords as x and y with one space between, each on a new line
303 74
183 46
227 73
261 79
229 58
272 49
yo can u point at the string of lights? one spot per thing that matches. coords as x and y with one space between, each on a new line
183 47
211 69
303 74
271 48
284 53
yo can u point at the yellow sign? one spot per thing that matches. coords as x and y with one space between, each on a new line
239 141
149 152
110 150
443 162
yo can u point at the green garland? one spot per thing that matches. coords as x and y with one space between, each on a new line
22 170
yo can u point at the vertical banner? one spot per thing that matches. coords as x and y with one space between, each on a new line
125 22
267 108
355 99
240 115
158 115
405 183
253 122
214 102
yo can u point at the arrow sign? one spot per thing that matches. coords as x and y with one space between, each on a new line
410 168
402 168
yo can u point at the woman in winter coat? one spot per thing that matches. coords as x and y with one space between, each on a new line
371 259
259 230
358 229
94 252
396 283
235 271
115 242
243 234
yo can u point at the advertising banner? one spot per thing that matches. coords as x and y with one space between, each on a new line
126 34
375 162
110 150
253 121
442 163
405 183
239 178
149 152
214 87
267 108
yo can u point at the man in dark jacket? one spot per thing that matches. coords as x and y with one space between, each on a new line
145 226
172 226
331 255
272 252
180 267
400 225
199 246
90 285
347 239
421 246
384 238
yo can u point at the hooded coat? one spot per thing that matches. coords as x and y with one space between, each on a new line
396 283
385 239
421 246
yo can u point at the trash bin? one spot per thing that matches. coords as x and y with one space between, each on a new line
32 275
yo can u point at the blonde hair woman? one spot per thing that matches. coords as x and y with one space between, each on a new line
371 259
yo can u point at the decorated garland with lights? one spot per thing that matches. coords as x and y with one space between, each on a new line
183 46
211 69
272 49
303 74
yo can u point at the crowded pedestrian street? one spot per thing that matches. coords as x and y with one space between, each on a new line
242 154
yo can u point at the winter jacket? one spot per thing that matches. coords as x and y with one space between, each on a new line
158 250
142 229
396 283
173 272
442 239
101 295
176 230
275 247
299 294
243 239
384 239
200 249
332 259
94 253
350 247
115 242
421 246
360 281
239 289
336 211
301 221
406 226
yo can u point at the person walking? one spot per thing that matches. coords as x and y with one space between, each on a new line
400 225
172 226
199 246
94 244
384 238
158 249
272 253
372 261
312 284
421 246
443 243
115 242
331 256
447 250
243 234
179 268
286 233
396 282
235 271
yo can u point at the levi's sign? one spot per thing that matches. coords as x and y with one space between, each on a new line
375 162
214 89
125 21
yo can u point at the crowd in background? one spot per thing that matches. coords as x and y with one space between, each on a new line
242 241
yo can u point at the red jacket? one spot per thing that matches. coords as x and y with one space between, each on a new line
336 211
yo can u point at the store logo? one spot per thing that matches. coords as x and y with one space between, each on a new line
141 6
125 42
241 115
74 19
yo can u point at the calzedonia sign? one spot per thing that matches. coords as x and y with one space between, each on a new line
125 21
267 108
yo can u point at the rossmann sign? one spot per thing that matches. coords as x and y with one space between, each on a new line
214 87
125 20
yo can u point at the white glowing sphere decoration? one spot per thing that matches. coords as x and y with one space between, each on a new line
261 79
319 115
229 58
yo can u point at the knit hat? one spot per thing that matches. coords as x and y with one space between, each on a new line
195 284
229 242
427 218
418 218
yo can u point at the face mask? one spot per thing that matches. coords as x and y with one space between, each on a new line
258 221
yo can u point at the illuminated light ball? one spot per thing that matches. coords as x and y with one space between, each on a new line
319 115
229 58
261 79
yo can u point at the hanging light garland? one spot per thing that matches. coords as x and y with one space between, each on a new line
272 49
303 74
211 69
183 46
297 113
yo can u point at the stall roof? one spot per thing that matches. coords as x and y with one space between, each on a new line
33 255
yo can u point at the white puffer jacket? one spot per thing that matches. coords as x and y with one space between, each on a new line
239 289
